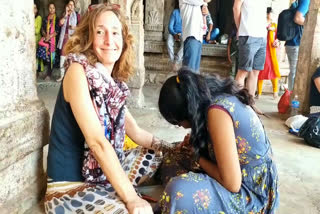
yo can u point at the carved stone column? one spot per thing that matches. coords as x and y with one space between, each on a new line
24 121
133 9
82 6
153 17
309 55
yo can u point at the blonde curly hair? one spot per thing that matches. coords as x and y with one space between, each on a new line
81 42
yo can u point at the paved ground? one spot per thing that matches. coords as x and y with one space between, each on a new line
298 163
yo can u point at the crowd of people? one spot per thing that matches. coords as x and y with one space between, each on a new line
224 165
51 35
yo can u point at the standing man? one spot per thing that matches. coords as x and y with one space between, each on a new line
192 32
292 46
250 19
175 30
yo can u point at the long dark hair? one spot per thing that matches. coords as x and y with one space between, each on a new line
187 96
176 4
37 6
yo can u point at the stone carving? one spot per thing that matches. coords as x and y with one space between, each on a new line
153 17
154 11
135 10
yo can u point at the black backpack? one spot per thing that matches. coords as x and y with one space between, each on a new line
310 131
286 29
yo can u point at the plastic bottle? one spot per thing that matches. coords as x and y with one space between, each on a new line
295 104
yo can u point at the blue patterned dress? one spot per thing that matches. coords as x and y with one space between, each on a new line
199 193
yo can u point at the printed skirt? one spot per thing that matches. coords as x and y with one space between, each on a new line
140 165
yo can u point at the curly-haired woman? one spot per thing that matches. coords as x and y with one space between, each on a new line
88 170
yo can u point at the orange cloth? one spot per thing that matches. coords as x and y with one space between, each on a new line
271 66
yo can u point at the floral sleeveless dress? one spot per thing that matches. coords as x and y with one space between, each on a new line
191 192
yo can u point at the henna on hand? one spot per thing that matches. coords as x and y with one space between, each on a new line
161 145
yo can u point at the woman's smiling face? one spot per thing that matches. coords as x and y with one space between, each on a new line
108 41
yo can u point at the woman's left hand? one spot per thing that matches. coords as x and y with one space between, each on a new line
271 28
208 37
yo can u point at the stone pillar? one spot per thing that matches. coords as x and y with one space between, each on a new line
136 26
82 6
309 55
153 17
24 121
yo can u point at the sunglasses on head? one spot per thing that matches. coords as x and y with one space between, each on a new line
113 6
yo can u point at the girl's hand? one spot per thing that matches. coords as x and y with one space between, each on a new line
53 35
276 43
138 205
271 28
67 10
47 37
185 143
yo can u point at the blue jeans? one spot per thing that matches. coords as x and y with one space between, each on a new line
192 49
214 34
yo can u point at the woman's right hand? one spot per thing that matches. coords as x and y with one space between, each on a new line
67 10
139 206
47 38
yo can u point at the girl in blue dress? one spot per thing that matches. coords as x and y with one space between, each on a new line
232 168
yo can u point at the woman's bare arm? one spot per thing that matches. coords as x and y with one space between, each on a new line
227 170
75 90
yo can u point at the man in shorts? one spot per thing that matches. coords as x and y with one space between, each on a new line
250 19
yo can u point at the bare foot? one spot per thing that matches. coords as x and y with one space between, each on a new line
212 42
258 96
47 78
275 95
59 80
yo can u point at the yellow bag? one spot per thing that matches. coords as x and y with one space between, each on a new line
129 144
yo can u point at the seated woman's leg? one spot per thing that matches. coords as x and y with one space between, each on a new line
77 197
191 193
214 34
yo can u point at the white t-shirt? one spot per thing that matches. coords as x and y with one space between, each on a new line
253 20
192 21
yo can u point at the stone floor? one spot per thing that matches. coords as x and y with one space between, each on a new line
298 163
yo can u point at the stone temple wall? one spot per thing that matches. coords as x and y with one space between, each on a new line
24 121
